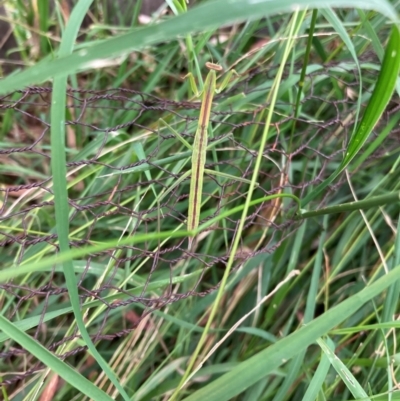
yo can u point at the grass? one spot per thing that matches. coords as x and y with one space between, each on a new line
273 303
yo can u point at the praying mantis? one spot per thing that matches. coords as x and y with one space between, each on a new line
200 145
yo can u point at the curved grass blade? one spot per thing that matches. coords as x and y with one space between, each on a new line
58 166
257 367
199 19
341 369
380 97
70 375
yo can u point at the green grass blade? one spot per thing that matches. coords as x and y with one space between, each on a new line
48 262
341 369
58 164
266 361
61 368
138 149
204 17
374 202
380 97
318 380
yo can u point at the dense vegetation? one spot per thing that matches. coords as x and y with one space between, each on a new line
290 289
